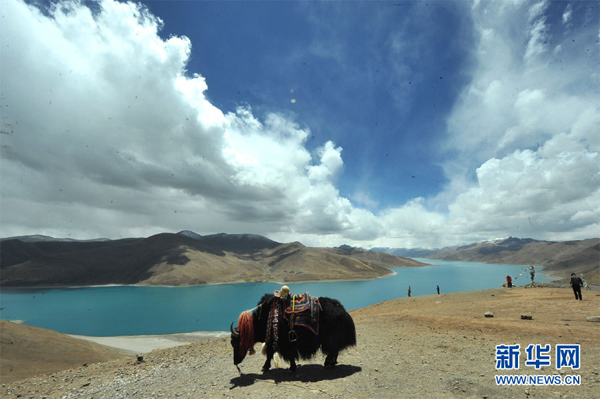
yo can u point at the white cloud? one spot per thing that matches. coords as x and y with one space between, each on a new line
331 162
537 10
110 135
363 198
104 133
414 225
566 18
529 191
532 127
537 41
529 126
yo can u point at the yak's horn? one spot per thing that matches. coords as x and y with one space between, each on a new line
236 333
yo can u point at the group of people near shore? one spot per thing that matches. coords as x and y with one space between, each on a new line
509 279
410 291
577 283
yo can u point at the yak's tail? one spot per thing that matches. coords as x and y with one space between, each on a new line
277 359
263 350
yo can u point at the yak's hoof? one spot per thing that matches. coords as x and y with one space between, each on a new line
330 364
265 369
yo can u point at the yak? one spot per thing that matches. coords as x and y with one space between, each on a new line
283 332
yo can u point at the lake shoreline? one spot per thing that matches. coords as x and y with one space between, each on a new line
131 311
47 287
140 344
392 273
146 343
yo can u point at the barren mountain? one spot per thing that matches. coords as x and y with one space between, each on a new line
384 259
185 258
559 258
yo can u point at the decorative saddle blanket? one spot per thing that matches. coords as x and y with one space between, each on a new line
304 311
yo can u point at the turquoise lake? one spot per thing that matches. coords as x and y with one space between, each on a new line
130 310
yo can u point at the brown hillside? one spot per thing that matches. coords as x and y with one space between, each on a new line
27 351
295 263
175 259
105 263
379 258
578 257
559 258
205 268
285 263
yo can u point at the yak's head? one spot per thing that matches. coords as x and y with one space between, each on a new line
242 338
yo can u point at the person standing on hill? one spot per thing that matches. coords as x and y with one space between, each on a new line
576 284
532 273
509 281
409 291
438 289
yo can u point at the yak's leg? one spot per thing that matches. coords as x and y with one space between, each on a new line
331 359
267 364
293 365
269 354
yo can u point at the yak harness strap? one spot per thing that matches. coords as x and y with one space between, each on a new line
273 324
292 334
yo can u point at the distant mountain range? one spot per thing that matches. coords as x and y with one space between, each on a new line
185 258
407 252
558 258
39 237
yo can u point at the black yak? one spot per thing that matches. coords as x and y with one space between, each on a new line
288 332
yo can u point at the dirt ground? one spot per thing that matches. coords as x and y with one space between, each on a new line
27 351
436 346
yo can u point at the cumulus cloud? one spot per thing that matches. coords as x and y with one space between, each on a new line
527 127
105 131
532 125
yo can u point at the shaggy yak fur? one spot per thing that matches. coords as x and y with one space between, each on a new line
336 332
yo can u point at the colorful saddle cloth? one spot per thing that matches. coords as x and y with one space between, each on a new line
304 311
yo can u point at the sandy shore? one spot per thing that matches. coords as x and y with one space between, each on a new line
137 344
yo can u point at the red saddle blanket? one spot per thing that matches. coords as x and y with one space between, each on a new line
304 311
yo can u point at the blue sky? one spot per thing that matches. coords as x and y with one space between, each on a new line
341 64
401 124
